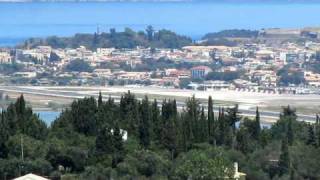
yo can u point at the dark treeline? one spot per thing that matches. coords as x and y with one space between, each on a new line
131 39
124 39
224 37
233 33
145 139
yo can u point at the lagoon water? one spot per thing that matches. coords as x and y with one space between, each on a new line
19 21
48 116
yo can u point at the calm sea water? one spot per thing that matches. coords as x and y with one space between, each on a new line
19 21
48 116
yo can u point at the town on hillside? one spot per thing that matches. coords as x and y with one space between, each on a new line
266 61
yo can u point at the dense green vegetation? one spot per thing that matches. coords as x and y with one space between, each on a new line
126 39
78 65
225 37
232 33
219 42
224 76
149 38
10 68
289 75
86 142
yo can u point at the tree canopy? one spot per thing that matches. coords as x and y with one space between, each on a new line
150 139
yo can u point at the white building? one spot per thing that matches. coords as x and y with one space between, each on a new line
5 58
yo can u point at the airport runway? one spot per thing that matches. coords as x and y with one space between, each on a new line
69 92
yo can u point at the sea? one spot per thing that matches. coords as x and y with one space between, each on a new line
19 21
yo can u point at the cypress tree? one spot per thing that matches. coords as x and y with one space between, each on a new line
104 142
203 127
144 125
20 106
318 134
221 127
118 141
311 140
290 135
11 118
290 116
192 116
4 135
156 123
20 109
84 117
118 154
264 137
256 133
174 108
243 140
129 113
211 123
168 126
100 102
233 117
317 129
284 159
169 137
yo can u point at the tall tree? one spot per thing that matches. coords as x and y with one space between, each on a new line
104 142
290 134
10 115
211 122
243 139
54 57
100 102
203 127
311 140
21 112
230 131
317 129
84 116
129 112
169 137
119 152
192 117
4 135
156 122
233 117
221 127
289 115
257 130
144 125
284 159
150 33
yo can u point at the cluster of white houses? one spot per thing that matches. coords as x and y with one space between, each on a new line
258 63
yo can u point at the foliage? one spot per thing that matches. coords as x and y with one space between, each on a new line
219 42
126 39
10 68
232 33
54 57
223 76
87 142
288 76
210 164
79 66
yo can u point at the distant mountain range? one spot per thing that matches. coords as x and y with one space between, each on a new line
215 1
